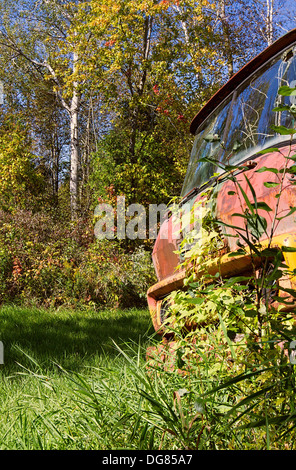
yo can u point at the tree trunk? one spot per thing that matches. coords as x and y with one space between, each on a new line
85 162
226 37
55 172
74 147
269 22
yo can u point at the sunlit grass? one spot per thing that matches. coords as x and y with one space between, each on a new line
72 338
43 350
80 380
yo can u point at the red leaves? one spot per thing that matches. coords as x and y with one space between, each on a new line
180 117
17 268
110 43
160 110
155 89
168 105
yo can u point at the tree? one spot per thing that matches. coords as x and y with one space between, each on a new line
51 135
243 28
150 81
38 36
20 184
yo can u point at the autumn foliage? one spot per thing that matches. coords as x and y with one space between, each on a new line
98 99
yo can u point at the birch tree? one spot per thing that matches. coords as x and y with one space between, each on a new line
39 36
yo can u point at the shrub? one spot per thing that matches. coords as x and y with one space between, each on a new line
6 267
53 262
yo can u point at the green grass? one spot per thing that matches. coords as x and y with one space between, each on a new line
75 339
48 354
78 380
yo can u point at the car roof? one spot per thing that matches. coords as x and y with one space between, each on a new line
278 46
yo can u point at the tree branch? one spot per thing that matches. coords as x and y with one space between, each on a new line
10 43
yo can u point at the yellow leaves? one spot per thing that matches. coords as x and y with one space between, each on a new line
280 401
108 6
198 18
145 6
16 165
99 22
67 265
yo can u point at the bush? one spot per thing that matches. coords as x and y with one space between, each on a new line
6 267
52 262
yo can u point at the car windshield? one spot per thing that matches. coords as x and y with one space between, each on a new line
242 125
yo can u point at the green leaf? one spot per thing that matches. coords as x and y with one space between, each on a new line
275 275
289 249
234 280
269 150
208 160
265 168
282 130
195 301
292 210
281 108
228 225
123 420
237 379
239 252
285 90
251 313
289 291
245 412
292 170
282 300
249 398
247 200
252 190
262 422
269 252
251 245
263 206
269 184
199 406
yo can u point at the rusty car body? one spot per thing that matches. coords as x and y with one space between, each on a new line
241 115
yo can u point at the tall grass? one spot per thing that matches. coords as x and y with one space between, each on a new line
43 351
72 338
80 380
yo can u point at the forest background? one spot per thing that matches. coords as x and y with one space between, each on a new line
98 99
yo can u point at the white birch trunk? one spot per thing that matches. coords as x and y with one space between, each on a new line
269 22
74 146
